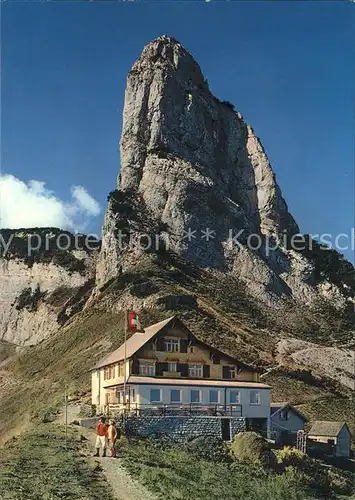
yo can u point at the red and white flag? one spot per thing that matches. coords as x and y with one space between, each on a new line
133 324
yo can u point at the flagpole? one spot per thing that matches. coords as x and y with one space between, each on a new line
125 357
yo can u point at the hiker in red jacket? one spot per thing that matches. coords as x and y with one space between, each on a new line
101 437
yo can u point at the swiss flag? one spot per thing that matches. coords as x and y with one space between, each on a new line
133 324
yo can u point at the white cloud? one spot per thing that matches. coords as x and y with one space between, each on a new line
85 201
33 205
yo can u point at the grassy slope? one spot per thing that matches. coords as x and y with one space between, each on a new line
177 474
39 466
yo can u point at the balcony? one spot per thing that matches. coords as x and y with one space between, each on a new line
176 409
171 374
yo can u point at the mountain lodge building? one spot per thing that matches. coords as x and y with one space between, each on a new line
166 366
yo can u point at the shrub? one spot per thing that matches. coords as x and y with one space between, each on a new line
291 457
252 449
340 484
29 299
209 448
312 472
228 104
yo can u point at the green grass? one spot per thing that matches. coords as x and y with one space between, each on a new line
39 466
176 474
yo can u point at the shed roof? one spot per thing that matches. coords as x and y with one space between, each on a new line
276 407
326 428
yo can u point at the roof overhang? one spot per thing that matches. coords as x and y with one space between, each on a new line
288 405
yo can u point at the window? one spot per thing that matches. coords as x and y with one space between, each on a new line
175 395
155 395
195 396
133 395
284 415
254 398
109 372
195 371
234 397
146 368
233 372
120 369
151 346
216 359
172 367
171 345
120 398
214 396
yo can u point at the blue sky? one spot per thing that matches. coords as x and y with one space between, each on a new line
287 66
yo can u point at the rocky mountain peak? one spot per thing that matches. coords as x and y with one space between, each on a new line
194 174
167 52
175 130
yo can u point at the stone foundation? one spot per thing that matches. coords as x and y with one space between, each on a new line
181 427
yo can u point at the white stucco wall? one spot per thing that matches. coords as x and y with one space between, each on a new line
261 410
95 387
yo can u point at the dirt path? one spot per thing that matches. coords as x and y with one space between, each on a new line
123 485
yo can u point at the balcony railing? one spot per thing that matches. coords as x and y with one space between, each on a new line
175 409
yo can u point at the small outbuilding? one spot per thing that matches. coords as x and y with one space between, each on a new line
285 422
334 434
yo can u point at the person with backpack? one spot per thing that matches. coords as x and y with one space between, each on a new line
113 435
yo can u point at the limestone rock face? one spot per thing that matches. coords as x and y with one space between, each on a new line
195 171
35 299
179 142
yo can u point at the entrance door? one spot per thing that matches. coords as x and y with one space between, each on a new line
226 429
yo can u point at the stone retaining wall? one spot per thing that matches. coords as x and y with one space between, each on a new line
181 427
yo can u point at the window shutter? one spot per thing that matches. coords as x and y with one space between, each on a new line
135 367
183 368
206 371
226 372
216 359
160 344
160 368
183 345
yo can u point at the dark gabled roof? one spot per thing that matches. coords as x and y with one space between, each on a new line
139 339
133 344
276 407
326 428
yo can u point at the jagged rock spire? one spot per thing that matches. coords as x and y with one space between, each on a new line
171 118
193 164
